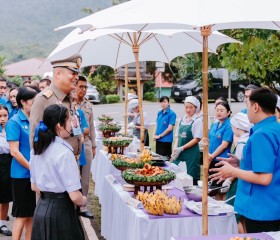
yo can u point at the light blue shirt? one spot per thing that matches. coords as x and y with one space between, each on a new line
12 110
261 155
4 145
164 119
17 130
3 100
55 170
218 134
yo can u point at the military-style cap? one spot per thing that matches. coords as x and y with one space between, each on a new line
73 63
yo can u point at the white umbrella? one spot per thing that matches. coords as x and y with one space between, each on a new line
154 14
109 47
113 47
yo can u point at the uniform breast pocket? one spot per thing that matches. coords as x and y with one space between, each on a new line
219 136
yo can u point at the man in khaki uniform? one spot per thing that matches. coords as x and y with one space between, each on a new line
89 142
65 76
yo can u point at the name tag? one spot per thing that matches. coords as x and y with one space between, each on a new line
134 203
76 126
111 179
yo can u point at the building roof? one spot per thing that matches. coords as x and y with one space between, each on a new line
27 68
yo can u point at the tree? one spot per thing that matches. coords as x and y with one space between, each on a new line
257 58
192 63
2 70
103 79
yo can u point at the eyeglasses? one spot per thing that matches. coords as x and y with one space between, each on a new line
83 87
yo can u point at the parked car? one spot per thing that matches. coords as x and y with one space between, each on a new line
188 86
92 94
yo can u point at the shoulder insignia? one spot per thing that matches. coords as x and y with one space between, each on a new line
48 93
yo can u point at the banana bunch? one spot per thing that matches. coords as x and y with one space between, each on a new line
158 203
172 205
146 155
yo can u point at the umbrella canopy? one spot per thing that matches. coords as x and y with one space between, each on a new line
151 14
113 47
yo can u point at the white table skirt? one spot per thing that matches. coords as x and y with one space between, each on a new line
120 221
99 146
102 167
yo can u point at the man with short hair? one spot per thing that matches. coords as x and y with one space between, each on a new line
64 81
258 191
163 135
89 143
248 90
3 89
44 83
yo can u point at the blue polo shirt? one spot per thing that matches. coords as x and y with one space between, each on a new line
217 134
12 110
245 110
3 100
261 155
164 119
17 129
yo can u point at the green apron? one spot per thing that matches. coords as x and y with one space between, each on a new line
190 156
233 188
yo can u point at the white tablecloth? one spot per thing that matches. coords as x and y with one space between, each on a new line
102 167
120 221
99 146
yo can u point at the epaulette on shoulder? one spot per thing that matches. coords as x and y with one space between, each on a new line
48 93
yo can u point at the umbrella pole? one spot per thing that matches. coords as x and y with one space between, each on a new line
135 49
125 99
205 32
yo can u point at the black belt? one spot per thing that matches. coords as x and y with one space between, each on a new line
54 195
5 154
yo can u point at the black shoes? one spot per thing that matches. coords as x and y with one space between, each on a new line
5 231
86 214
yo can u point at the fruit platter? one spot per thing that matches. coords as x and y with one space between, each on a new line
159 202
109 129
105 118
116 144
148 176
122 162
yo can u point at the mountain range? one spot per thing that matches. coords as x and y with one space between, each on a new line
26 26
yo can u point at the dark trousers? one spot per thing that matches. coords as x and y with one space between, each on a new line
164 148
254 226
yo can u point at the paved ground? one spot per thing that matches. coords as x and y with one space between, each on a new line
117 110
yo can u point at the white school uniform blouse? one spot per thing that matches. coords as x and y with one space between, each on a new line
4 145
56 169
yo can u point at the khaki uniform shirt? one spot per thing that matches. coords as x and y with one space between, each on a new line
49 96
86 107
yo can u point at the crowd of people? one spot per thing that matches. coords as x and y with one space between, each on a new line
244 151
47 143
